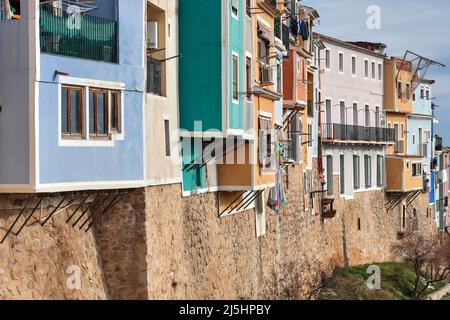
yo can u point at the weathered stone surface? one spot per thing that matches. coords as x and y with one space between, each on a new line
154 244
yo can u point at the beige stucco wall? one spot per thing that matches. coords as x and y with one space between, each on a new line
160 168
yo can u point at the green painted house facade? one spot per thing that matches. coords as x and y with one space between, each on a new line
210 38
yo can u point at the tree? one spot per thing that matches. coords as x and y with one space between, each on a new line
429 257
296 281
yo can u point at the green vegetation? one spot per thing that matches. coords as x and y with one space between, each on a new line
397 283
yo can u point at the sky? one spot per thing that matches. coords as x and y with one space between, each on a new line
419 26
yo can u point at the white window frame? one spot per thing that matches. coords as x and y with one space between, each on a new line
380 72
341 54
234 54
327 59
355 65
237 8
366 69
374 70
86 84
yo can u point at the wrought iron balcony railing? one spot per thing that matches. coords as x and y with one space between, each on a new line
77 35
342 132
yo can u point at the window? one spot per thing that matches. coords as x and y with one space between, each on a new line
343 113
98 112
328 110
427 94
427 136
263 51
399 90
380 72
341 62
368 171
417 169
366 68
413 139
115 112
248 76
310 135
377 117
265 143
327 60
279 74
367 115
354 66
235 78
402 131
380 171
414 97
154 77
356 173
373 71
234 8
72 111
359 224
355 114
167 137
342 174
408 91
422 94
329 172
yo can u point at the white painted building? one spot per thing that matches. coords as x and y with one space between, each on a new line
352 116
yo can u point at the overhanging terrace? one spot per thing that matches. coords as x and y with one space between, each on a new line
340 133
77 34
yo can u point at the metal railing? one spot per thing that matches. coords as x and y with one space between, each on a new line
342 132
77 35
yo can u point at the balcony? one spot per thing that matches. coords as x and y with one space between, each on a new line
82 36
333 132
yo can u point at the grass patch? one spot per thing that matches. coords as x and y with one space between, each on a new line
397 283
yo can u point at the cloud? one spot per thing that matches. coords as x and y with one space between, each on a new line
419 26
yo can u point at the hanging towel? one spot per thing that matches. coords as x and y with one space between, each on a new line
5 12
303 30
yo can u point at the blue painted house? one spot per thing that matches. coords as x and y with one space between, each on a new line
77 123
420 129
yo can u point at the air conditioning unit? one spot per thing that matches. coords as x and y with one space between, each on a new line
266 75
152 35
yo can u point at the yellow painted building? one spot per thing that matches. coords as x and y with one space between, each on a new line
401 172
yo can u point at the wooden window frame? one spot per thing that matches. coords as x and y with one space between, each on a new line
95 134
116 109
69 134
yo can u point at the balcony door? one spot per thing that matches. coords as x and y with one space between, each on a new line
343 116
421 153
